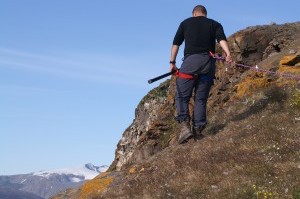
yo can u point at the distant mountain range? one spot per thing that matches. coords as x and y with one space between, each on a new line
44 184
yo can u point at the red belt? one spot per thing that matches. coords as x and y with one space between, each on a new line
184 75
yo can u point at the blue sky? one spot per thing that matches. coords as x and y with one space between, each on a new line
72 72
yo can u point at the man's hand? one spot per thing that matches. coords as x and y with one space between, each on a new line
173 67
229 59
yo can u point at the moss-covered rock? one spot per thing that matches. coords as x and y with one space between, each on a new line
96 186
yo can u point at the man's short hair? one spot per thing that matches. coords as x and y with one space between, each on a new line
200 8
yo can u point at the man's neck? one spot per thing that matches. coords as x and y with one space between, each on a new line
199 15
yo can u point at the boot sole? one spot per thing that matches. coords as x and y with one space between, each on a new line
185 138
198 137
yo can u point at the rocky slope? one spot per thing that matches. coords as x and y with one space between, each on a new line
153 126
251 148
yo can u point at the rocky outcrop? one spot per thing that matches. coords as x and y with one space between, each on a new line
150 130
252 45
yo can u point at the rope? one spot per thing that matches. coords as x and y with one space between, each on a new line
256 68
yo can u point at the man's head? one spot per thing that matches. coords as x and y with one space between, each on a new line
199 10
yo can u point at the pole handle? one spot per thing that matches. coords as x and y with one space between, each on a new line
150 81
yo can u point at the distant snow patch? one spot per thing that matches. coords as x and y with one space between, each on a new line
76 179
86 172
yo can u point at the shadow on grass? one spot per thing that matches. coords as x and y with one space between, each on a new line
274 95
212 130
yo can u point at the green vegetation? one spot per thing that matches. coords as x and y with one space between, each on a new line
160 91
245 192
295 101
296 193
167 135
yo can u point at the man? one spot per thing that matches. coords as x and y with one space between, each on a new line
197 70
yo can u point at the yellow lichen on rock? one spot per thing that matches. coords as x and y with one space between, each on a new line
132 170
290 60
289 70
286 70
249 85
96 186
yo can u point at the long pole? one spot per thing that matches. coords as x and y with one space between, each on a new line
150 81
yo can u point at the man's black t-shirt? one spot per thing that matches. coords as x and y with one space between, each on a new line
200 35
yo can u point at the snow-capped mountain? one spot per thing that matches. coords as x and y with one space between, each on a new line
50 182
86 172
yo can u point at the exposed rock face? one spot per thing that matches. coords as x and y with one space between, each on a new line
140 140
154 127
254 44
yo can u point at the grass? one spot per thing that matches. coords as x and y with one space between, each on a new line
160 91
254 155
243 192
295 100
296 193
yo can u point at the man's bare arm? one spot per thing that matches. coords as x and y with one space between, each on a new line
225 47
174 52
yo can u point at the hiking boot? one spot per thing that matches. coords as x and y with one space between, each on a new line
185 132
197 132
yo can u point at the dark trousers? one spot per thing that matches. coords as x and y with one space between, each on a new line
184 93
204 67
